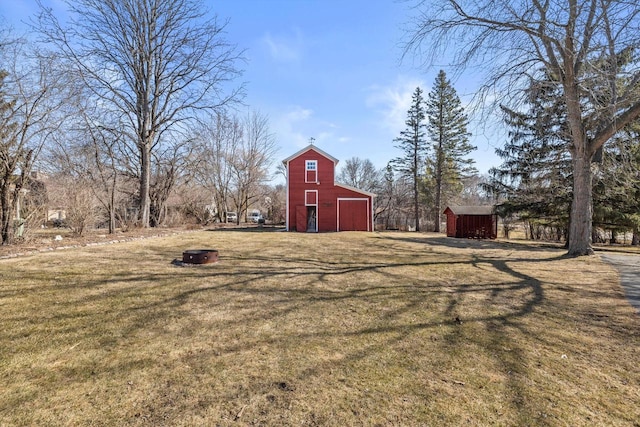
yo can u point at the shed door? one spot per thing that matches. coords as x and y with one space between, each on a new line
301 218
451 225
353 215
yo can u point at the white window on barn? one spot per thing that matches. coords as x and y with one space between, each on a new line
311 171
311 197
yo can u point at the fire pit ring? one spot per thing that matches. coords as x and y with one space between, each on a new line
199 256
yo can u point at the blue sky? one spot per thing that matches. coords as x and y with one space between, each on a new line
327 69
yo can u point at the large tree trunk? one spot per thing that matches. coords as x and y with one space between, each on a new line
112 211
581 216
145 179
439 172
581 207
6 217
436 227
416 210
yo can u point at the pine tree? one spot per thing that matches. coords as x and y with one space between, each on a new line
413 144
535 179
447 164
616 192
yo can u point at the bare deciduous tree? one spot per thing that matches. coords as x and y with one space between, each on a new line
157 63
360 173
250 165
232 160
80 202
90 152
276 203
211 168
566 39
394 202
169 167
31 104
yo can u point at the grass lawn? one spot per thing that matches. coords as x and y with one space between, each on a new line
337 329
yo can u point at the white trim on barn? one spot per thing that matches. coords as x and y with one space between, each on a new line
311 147
354 189
315 205
286 216
305 197
369 207
308 170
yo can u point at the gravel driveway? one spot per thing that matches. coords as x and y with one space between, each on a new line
628 265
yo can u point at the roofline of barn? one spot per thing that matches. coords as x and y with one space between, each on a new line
307 148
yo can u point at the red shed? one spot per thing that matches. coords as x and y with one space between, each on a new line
473 222
316 203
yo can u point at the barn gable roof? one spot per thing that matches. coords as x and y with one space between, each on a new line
470 210
357 190
307 148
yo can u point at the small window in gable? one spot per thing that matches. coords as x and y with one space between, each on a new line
311 171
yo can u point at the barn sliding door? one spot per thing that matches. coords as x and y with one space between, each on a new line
353 215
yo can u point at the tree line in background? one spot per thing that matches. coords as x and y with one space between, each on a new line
123 117
434 170
534 182
583 53
128 109
534 186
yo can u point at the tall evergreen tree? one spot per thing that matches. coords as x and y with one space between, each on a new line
413 144
510 39
616 185
447 164
534 180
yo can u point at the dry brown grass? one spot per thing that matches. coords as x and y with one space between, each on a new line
335 329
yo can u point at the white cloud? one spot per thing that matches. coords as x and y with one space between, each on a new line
290 126
284 49
325 138
295 125
391 102
297 114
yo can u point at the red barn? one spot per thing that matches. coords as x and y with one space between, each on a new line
473 222
316 203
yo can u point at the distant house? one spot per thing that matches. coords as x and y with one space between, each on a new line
472 222
315 203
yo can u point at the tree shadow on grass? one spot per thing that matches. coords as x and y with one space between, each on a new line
390 330
377 307
453 242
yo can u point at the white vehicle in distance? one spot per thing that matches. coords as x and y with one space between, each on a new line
232 217
254 216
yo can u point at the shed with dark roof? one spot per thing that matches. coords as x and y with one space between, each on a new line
472 222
